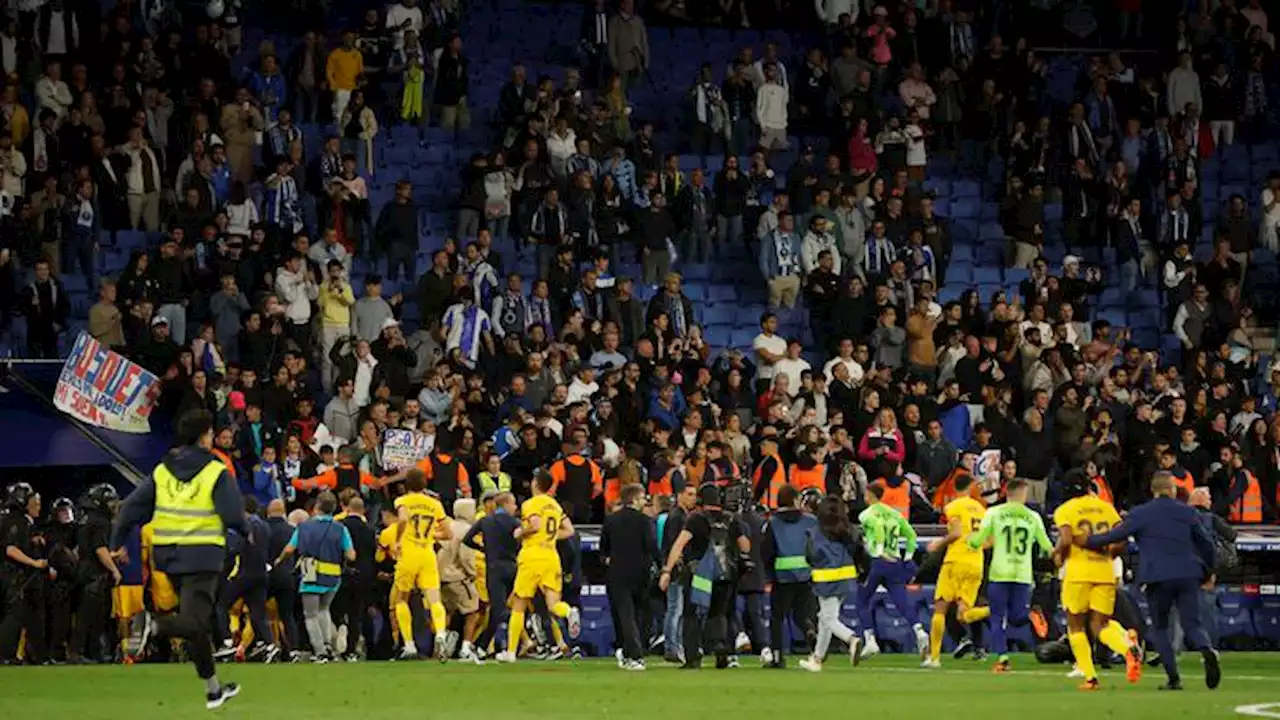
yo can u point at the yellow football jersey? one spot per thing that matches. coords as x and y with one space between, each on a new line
1087 516
968 512
543 542
425 513
386 541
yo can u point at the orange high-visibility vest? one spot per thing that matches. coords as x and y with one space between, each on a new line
1186 480
776 482
225 459
898 498
814 477
1248 509
1103 490
661 486
946 492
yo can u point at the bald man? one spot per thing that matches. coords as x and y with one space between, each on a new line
282 586
351 605
1175 557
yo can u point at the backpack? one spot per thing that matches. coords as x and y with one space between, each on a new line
718 546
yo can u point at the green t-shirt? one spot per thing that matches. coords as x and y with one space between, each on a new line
883 530
1017 530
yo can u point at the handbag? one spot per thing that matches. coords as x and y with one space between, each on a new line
309 566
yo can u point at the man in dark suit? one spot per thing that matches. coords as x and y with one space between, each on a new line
356 592
627 544
1175 555
282 585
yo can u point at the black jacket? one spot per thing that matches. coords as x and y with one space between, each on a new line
365 543
627 544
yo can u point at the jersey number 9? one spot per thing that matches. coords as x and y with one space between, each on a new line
553 526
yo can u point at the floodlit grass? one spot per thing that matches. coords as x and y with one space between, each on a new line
884 688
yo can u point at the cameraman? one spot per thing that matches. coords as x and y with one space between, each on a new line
22 575
709 567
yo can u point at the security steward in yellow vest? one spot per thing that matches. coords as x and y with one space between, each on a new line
191 501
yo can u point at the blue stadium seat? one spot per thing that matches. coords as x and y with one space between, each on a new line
983 275
1266 619
1235 619
965 208
967 189
722 294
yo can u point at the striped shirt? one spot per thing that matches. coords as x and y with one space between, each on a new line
464 328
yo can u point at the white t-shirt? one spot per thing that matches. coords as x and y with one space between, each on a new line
917 155
397 14
776 345
792 369
855 370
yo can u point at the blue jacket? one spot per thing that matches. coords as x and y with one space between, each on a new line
828 554
325 541
785 551
270 91
1172 543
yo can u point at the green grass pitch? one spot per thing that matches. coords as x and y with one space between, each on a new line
884 688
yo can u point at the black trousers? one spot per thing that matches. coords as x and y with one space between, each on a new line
352 608
60 596
254 593
286 596
193 621
91 618
707 631
627 601
499 579
789 601
24 604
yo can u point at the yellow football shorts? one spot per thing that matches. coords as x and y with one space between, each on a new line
416 574
534 575
1079 598
126 601
959 582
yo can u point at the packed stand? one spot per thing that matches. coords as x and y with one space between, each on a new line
907 252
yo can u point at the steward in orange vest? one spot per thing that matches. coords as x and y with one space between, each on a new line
897 493
720 469
770 474
1244 496
808 471
577 480
946 491
446 476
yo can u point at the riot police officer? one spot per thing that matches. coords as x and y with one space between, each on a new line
23 576
96 571
60 546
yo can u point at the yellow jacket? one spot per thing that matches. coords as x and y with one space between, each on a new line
343 69
335 307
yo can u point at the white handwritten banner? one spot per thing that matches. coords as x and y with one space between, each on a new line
104 388
403 448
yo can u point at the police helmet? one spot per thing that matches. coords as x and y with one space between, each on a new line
61 504
100 497
17 495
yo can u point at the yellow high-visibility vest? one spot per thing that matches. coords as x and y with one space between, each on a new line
185 513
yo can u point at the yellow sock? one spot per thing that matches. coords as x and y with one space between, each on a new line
973 615
1083 650
937 628
515 626
438 617
560 609
404 617
556 634
1114 637
246 637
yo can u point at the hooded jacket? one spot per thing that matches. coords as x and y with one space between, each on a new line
136 510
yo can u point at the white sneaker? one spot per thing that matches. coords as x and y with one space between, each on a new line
922 642
340 641
505 657
870 648
575 623
451 641
635 666
733 662
442 646
811 665
1076 672
622 661
408 652
855 651
145 636
931 664
742 642
766 657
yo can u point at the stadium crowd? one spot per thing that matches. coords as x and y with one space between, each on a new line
274 290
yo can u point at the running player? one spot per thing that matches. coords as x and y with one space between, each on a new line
1017 531
421 522
961 574
1089 581
891 542
543 523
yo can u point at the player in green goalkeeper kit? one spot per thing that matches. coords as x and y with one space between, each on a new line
1017 531
891 542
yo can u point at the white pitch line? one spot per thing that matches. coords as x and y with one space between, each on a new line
1262 710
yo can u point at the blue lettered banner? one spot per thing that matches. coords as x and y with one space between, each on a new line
103 388
403 448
